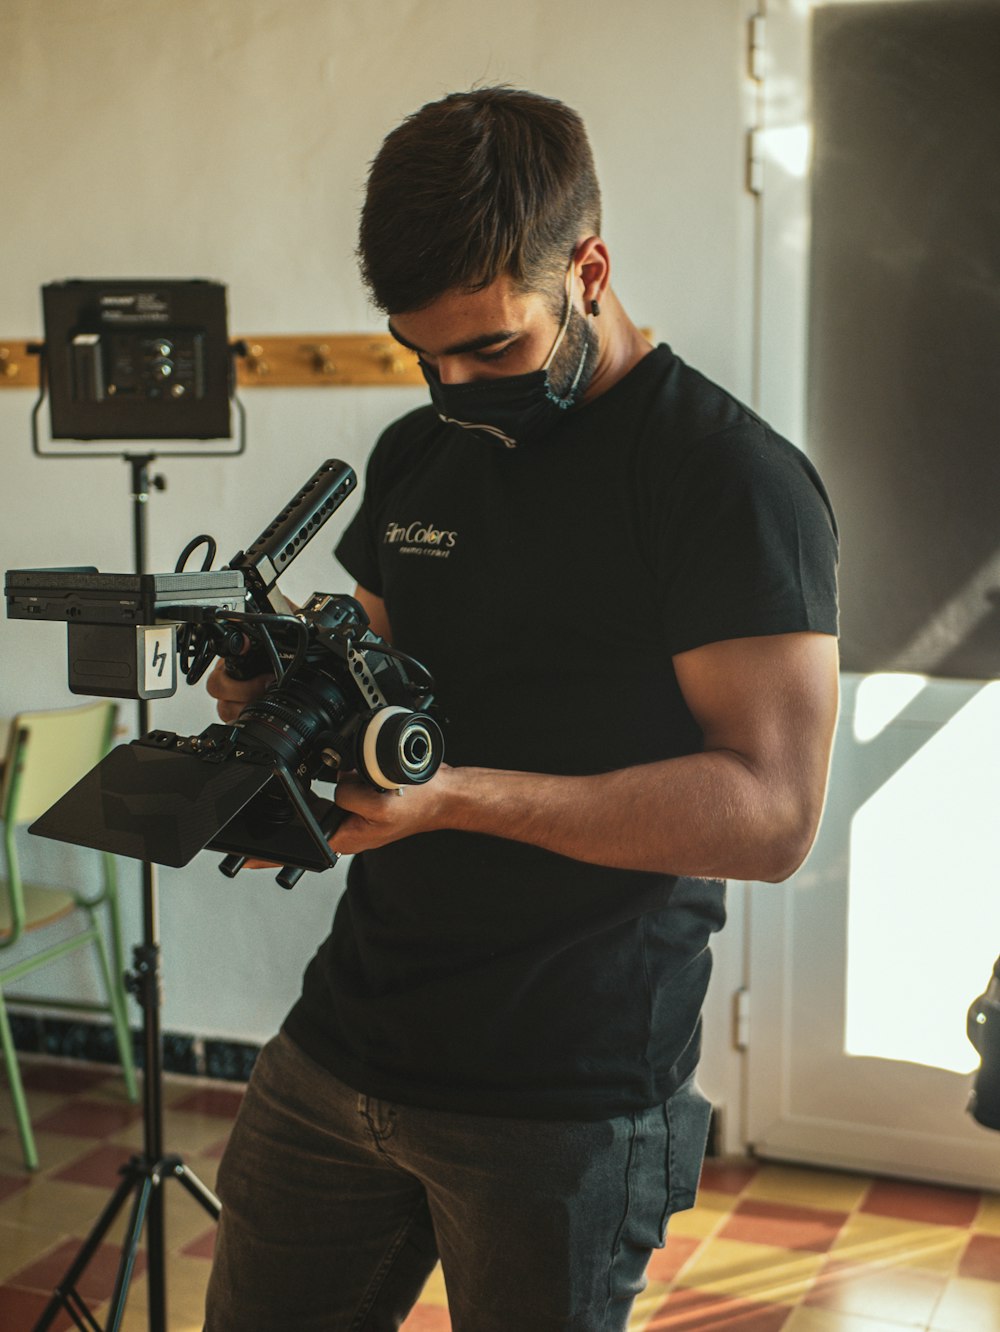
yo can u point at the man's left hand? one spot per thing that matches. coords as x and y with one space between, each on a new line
379 817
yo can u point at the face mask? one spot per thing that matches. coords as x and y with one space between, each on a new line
516 409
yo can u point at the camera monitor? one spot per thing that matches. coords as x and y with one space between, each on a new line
141 358
152 803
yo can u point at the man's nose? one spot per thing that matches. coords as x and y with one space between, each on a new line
455 370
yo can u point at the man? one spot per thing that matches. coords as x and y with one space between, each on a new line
624 585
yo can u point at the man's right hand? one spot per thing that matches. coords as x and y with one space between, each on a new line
231 695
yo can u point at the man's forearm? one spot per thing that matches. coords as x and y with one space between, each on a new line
707 815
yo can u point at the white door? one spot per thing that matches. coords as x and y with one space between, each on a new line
862 967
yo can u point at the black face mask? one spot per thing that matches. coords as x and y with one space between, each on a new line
515 410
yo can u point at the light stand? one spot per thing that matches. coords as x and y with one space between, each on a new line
84 330
144 1175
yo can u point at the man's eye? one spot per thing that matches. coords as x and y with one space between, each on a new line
492 356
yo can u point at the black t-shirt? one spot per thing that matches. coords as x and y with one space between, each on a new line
547 590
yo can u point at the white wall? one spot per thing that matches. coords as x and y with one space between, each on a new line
229 140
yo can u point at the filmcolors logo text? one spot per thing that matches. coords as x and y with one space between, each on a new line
420 538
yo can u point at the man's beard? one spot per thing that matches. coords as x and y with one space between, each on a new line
580 339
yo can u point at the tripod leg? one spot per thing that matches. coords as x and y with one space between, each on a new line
156 1257
130 1247
198 1189
80 1314
64 1291
149 1206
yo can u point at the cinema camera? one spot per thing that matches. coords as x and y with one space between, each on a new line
342 700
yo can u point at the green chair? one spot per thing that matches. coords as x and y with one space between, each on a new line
47 752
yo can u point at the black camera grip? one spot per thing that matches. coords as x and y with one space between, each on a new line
250 664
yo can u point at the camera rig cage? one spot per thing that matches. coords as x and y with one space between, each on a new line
343 699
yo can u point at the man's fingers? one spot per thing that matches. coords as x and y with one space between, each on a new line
231 695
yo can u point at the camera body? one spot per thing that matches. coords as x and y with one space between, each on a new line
342 703
342 700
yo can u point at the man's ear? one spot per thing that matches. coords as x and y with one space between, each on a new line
592 268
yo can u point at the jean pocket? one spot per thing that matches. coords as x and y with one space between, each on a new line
664 1165
687 1116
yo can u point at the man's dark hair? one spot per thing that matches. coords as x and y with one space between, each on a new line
481 184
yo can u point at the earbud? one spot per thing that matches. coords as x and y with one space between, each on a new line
595 309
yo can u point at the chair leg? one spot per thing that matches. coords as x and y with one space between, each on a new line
17 1090
114 915
119 1014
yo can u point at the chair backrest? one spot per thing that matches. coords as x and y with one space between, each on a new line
48 752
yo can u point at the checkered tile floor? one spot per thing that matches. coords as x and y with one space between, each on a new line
767 1249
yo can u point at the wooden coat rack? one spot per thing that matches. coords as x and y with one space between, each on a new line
297 360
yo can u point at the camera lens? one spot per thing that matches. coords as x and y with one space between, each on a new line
289 721
401 748
416 748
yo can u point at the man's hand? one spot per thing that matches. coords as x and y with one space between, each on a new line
378 817
231 695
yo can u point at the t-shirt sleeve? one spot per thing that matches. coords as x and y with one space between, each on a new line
747 542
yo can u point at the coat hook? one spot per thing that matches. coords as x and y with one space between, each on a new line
391 361
321 360
256 363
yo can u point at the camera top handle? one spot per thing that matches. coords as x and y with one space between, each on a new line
261 564
266 559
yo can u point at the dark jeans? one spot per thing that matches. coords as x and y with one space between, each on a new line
336 1208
